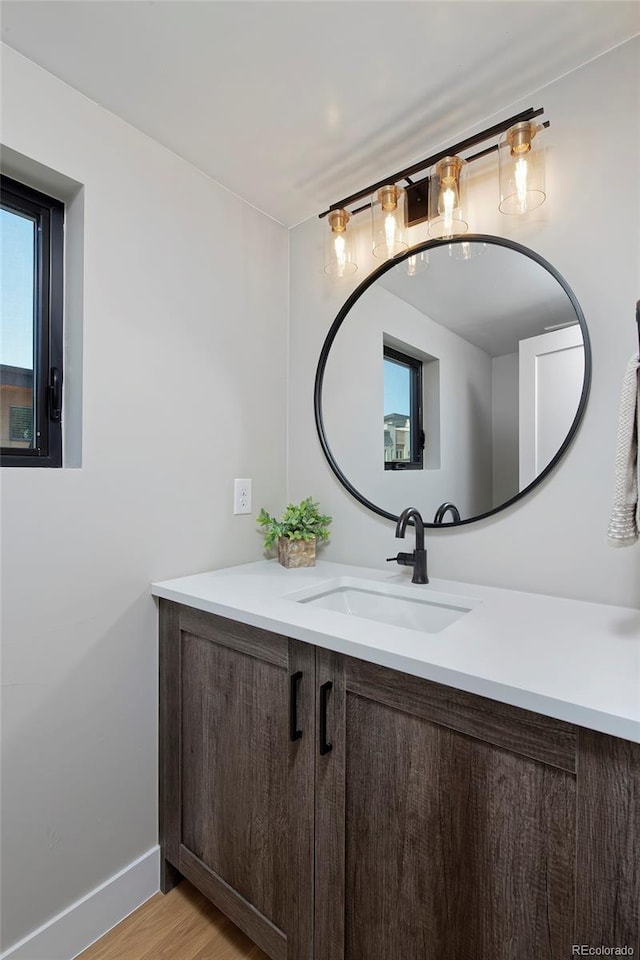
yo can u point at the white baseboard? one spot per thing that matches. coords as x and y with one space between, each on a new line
85 921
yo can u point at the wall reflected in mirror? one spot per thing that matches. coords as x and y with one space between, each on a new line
458 384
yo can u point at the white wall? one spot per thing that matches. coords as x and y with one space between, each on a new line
554 541
185 308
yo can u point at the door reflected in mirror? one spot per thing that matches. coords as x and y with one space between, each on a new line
464 383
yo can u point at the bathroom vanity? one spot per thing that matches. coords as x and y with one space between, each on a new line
345 788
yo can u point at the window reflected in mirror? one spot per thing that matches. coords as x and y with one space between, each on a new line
403 429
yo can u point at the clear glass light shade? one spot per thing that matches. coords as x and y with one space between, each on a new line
388 222
415 264
446 199
339 260
466 250
521 159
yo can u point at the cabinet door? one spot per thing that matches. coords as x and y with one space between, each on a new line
237 774
442 829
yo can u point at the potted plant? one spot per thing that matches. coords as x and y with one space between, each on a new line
296 533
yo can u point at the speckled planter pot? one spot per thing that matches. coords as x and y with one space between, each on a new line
296 553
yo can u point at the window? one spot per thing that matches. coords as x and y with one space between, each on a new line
31 346
403 430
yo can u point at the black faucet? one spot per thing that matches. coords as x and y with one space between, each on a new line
417 559
443 508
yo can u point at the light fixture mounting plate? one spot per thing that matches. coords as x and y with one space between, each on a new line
417 209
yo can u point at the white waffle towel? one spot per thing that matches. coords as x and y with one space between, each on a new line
624 526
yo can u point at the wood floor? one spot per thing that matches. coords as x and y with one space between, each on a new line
182 925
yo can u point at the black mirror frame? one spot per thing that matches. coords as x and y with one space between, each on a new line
357 293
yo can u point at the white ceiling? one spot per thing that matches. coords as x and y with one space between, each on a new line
493 300
294 104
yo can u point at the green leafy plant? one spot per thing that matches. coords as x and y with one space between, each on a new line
302 522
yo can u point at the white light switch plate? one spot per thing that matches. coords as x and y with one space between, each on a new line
241 496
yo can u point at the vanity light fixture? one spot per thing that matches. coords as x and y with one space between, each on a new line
339 261
521 163
388 224
399 202
445 200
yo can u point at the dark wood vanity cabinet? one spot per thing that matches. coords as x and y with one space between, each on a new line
236 792
441 827
409 821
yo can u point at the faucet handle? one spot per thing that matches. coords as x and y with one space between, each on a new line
404 559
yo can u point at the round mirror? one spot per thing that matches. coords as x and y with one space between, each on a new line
452 380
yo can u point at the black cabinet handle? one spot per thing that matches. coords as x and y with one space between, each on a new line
294 681
325 746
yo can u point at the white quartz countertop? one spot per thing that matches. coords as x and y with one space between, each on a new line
569 659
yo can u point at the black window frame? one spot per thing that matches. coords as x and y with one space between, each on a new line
48 214
416 428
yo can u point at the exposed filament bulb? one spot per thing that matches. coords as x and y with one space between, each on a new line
521 176
339 247
447 203
390 232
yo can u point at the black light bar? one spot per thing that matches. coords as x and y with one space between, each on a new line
454 150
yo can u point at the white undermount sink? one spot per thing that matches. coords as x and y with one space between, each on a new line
403 606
